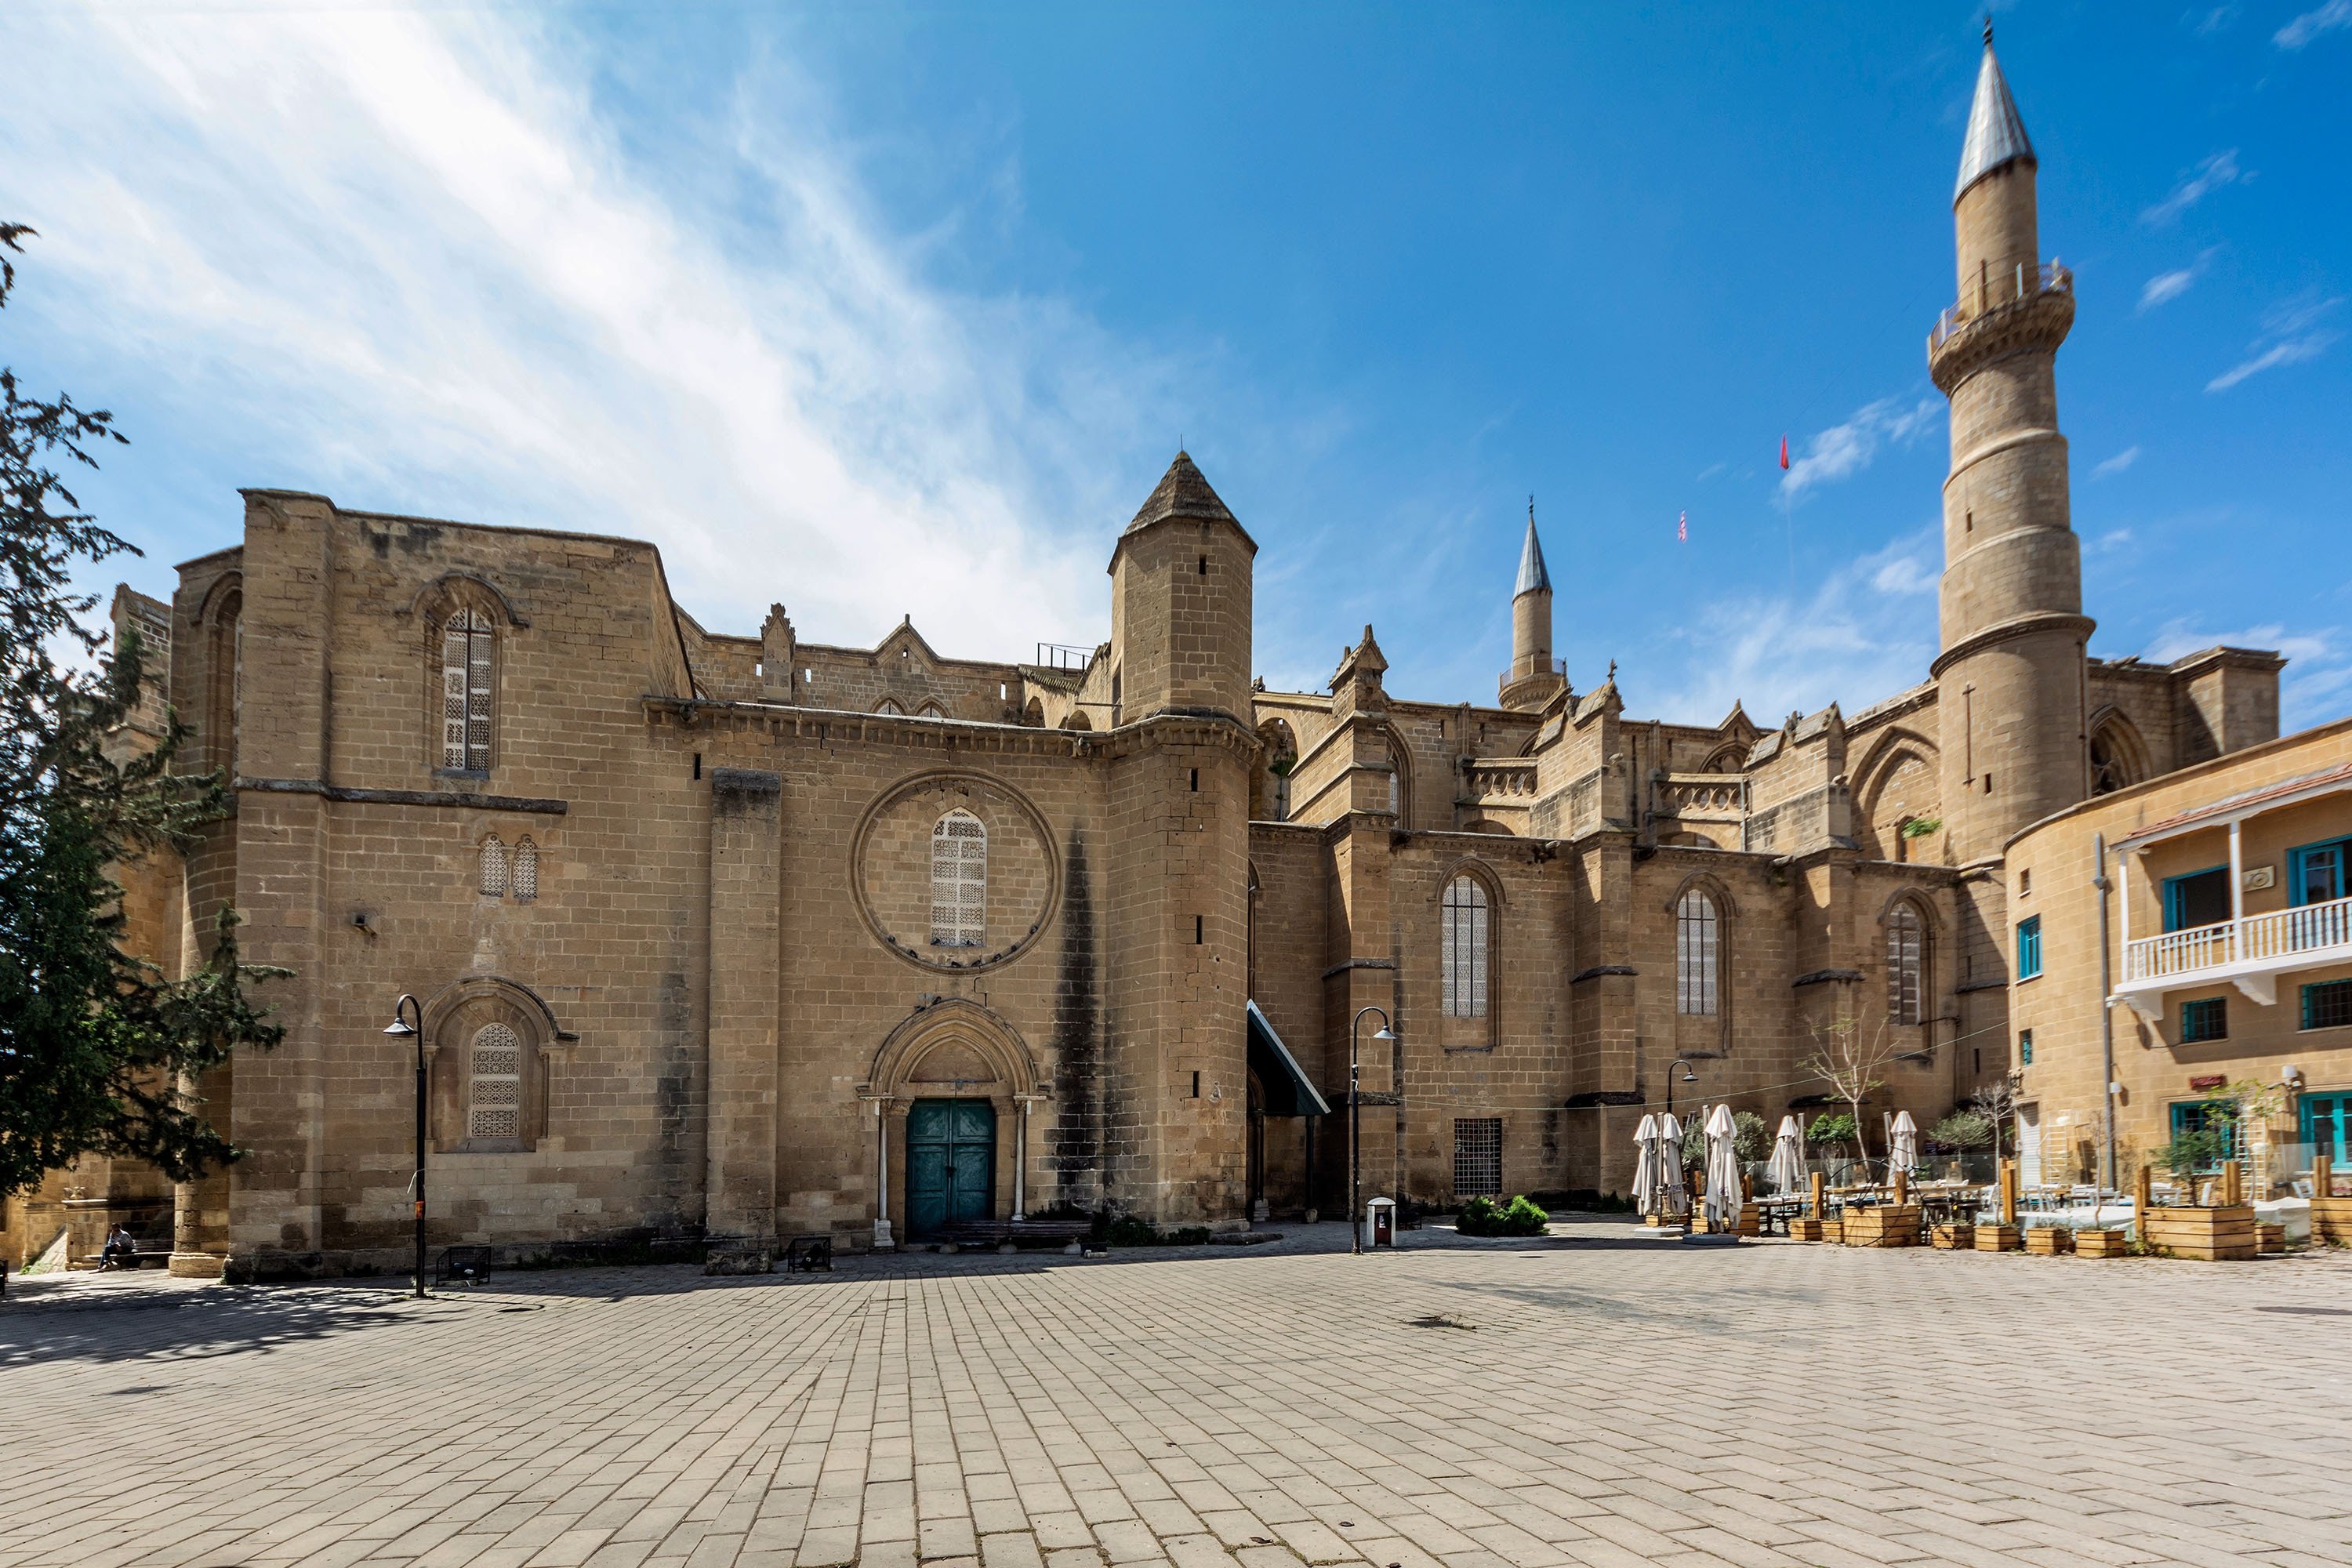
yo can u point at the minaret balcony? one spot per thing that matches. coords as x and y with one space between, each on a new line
2025 307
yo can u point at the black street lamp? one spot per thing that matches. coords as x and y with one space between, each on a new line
1355 1077
1688 1077
402 1011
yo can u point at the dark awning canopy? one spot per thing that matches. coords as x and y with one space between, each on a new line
1288 1089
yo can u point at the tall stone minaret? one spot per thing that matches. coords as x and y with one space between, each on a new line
1532 680
2009 678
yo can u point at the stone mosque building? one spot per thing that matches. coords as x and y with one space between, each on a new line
746 936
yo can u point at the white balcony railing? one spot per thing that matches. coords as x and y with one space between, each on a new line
2281 939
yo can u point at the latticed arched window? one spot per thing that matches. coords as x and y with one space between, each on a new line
524 883
1699 948
1462 928
468 691
494 1084
494 869
889 705
1906 964
959 881
931 711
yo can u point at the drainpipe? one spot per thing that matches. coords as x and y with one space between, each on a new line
2106 1012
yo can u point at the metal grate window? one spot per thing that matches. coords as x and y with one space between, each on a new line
1464 932
466 648
1697 952
1477 1157
959 881
2205 1018
524 883
2327 1004
1906 940
494 1084
494 868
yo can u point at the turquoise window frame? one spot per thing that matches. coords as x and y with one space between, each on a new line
2303 999
2029 947
2336 852
2184 1109
2336 1107
2173 886
2215 1007
2025 1047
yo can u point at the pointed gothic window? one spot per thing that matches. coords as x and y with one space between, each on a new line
1697 952
494 869
889 705
524 882
1906 947
494 1084
959 881
467 691
1462 930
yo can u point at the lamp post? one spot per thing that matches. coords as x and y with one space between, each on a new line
1355 1080
1688 1077
400 1027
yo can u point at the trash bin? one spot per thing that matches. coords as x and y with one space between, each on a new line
1379 1222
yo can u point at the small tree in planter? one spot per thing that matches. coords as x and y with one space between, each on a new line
1834 1130
1849 1058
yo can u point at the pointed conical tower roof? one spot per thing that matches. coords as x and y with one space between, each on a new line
1533 577
1996 135
1182 493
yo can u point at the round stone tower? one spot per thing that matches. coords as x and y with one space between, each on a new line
1532 679
2010 676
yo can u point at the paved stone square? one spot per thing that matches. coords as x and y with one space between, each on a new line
1597 1397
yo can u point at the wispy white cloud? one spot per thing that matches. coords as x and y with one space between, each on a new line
2214 174
2166 287
2331 18
2214 21
2117 464
1845 449
1863 636
2291 333
2107 544
401 254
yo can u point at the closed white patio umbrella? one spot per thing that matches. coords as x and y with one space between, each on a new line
1645 1164
1787 1171
1673 1192
1903 1148
1722 1167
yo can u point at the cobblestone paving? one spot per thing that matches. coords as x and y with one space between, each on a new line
1594 1398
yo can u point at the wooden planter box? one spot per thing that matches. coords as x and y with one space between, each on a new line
2268 1237
1832 1230
2049 1240
2101 1243
1805 1229
2331 1219
1883 1225
1952 1237
2224 1234
1996 1238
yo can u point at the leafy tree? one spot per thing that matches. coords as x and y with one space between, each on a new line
1963 1129
96 1047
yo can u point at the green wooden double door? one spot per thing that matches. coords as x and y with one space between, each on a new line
950 1163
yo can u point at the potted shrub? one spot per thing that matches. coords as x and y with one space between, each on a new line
2211 1233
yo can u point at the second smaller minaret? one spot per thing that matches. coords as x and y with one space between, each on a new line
1532 679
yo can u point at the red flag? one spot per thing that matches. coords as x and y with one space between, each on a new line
1681 529
1784 452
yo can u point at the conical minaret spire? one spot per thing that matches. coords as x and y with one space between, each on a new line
2010 679
1532 680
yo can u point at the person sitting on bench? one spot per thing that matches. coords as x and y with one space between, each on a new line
120 1251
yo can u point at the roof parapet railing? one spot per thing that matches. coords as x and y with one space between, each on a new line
1996 289
1064 655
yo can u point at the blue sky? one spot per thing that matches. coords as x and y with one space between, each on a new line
880 311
